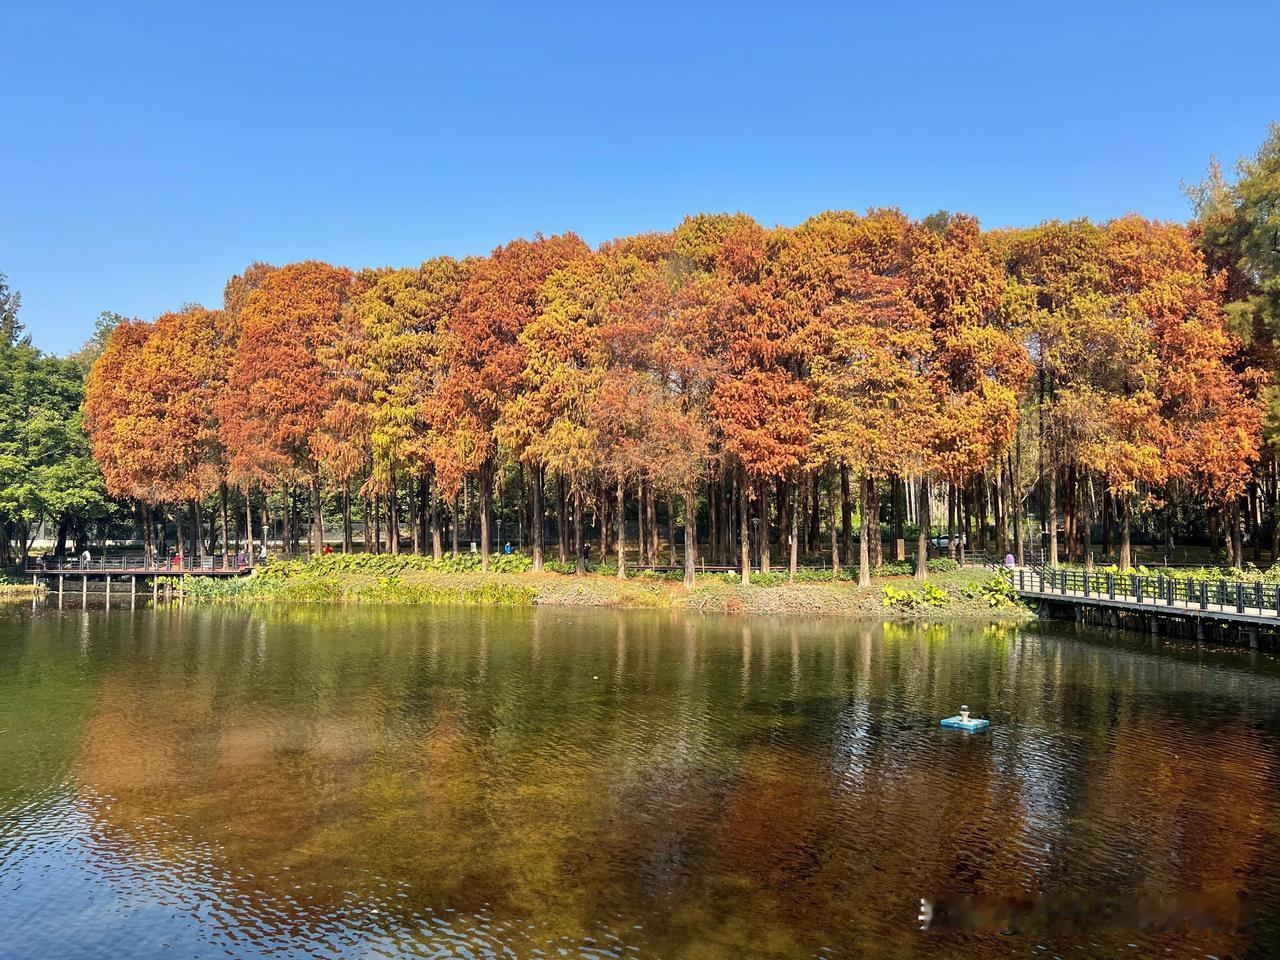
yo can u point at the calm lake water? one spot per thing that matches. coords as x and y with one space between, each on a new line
557 783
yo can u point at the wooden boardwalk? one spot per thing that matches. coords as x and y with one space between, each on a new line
1246 606
133 565
124 574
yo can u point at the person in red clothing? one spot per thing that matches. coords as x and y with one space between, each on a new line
327 549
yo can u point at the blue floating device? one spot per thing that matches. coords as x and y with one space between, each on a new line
959 722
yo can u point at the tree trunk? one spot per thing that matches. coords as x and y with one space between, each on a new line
923 529
873 521
317 514
999 513
248 524
864 548
1015 508
744 538
417 541
523 515
793 540
642 538
951 520
393 517
433 506
1124 509
535 517
713 512
763 538
974 500
1086 523
1237 548
580 563
1274 499
1254 527
690 536
561 530
622 536
485 491
347 540
454 511
815 526
1108 524
897 492
651 522
671 528
424 511
846 516
833 503
802 505
264 511
730 506
603 514
197 527
226 539
1051 508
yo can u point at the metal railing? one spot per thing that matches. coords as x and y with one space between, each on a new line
1185 594
132 563
1031 557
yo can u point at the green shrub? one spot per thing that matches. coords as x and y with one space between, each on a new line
897 568
996 591
906 598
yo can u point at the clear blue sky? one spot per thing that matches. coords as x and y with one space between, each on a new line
150 151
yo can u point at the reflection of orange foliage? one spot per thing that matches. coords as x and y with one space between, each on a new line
1198 818
772 823
125 756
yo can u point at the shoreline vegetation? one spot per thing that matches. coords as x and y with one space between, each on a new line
409 579
20 591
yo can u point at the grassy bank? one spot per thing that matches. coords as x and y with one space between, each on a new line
15 586
418 580
19 591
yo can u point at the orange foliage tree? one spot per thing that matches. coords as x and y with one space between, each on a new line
1087 365
272 413
485 359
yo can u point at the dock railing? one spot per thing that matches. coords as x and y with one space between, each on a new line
1255 598
132 563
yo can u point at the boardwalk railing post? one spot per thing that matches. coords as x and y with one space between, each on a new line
1086 584
1022 581
1137 588
1111 586
1239 598
1204 596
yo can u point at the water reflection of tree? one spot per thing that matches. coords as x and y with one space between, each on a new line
735 787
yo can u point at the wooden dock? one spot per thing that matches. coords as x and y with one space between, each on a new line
124 574
1229 609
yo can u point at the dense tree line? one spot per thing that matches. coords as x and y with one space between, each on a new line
48 477
746 387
